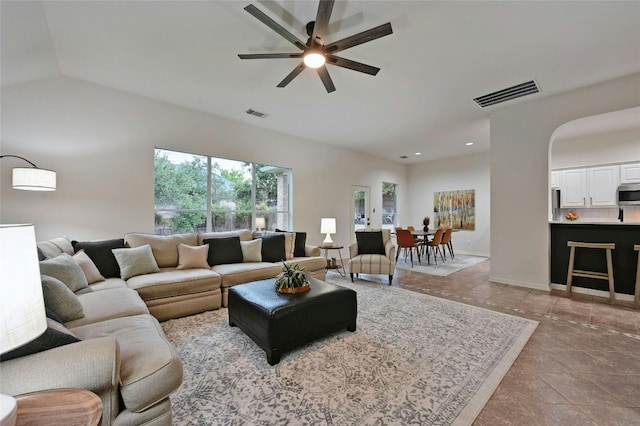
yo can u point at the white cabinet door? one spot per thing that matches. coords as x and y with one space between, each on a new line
574 188
556 181
630 173
603 184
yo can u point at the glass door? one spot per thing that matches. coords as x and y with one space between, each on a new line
360 208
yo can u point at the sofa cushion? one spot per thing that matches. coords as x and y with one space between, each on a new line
101 254
135 261
190 257
251 250
164 247
54 248
103 285
108 304
224 250
171 282
89 268
55 335
273 248
240 273
243 234
66 269
150 368
370 242
59 299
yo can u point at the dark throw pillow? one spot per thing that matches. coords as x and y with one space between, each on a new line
101 254
224 250
370 242
299 244
55 335
273 248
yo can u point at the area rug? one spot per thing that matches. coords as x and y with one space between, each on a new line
442 269
414 359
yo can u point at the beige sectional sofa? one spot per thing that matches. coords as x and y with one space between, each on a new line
122 354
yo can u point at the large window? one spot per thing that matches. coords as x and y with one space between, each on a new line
202 193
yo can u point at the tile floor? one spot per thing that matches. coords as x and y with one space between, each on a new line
581 365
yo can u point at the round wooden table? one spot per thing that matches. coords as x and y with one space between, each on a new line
59 407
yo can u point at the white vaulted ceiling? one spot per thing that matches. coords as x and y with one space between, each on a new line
440 56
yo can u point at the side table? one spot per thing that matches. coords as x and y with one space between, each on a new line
59 407
338 268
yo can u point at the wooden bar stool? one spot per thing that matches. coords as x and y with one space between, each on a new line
636 300
591 274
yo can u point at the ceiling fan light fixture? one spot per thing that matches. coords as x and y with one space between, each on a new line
314 59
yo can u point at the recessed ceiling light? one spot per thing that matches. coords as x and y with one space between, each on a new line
418 153
469 143
404 157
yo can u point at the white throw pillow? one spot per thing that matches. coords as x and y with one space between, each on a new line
251 250
135 261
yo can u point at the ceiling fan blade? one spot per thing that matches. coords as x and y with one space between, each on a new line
363 37
326 79
275 26
352 65
269 55
322 21
293 74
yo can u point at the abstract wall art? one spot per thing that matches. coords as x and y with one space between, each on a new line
456 209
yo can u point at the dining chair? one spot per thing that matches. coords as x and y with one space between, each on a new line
405 241
433 246
446 241
420 241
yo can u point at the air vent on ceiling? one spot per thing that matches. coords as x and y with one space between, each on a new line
513 92
256 113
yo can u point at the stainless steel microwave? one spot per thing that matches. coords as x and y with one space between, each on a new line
629 194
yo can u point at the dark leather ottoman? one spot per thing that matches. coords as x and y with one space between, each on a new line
280 322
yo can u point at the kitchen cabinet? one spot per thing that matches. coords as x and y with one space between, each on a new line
603 186
574 188
590 187
630 173
556 176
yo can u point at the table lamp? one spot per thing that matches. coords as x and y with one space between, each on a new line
22 315
328 226
260 223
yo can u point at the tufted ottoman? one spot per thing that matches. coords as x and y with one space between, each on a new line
280 322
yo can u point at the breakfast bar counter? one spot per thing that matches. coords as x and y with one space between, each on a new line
625 259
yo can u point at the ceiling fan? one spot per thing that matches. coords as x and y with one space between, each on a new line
314 53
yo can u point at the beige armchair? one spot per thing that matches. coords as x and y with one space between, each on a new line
369 255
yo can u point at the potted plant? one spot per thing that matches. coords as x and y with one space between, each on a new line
426 222
293 279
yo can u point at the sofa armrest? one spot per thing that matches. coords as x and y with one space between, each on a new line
312 251
390 251
90 364
353 250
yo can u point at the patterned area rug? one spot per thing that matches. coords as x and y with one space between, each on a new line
414 359
442 269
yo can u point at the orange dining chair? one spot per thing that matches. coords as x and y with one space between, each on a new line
405 241
446 241
433 246
418 240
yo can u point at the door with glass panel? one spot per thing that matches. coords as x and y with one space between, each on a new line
360 208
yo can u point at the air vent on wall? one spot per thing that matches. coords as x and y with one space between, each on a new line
513 92
256 113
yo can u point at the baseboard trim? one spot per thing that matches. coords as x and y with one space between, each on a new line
526 284
593 292
470 253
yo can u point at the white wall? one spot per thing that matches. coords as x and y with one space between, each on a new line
101 141
520 139
467 172
620 146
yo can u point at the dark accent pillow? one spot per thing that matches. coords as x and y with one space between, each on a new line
100 253
224 250
370 242
55 335
273 248
299 244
